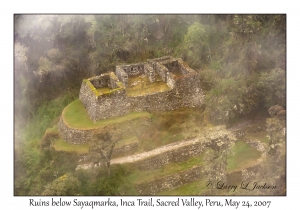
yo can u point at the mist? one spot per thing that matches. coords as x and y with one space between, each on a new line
239 59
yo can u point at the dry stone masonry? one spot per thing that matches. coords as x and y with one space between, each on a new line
183 82
106 95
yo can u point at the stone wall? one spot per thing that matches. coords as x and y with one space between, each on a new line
164 59
185 89
102 106
100 81
72 135
88 97
169 182
164 101
131 128
189 84
171 80
184 177
118 103
113 81
111 105
184 68
172 65
149 72
125 150
185 92
162 71
122 75
105 80
153 102
170 156
133 69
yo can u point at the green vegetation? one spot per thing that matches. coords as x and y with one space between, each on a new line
125 141
107 91
102 144
62 145
192 188
104 90
241 60
260 136
91 86
243 157
28 143
169 127
138 86
76 116
138 177
195 45
166 127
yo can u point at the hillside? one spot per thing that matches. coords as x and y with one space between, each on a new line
232 129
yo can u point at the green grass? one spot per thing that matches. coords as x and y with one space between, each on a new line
193 188
171 126
103 90
138 177
127 141
144 86
261 136
244 156
61 145
76 116
52 129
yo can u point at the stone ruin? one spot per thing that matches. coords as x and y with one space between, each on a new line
108 95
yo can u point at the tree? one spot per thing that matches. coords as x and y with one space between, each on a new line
64 185
195 45
272 169
221 143
274 87
102 145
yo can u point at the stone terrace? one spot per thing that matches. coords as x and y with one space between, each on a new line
160 84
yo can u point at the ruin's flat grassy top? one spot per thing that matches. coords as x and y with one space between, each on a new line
76 116
141 85
103 90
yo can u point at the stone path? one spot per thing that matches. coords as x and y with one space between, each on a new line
155 152
165 148
152 153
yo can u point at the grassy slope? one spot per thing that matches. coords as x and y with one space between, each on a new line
138 176
61 145
244 156
193 188
76 116
261 136
166 127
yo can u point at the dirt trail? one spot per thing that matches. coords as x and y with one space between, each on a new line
152 153
166 148
155 152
